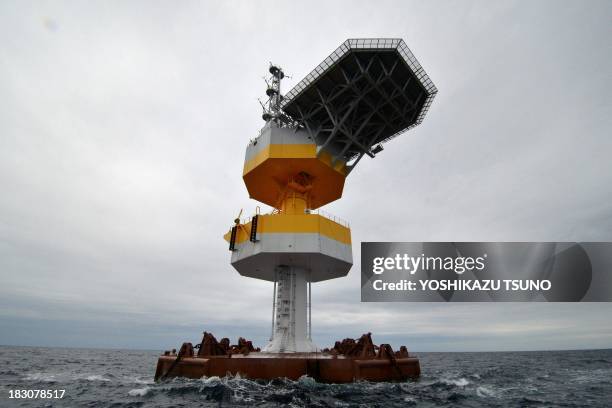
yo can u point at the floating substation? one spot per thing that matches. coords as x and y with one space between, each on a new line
363 94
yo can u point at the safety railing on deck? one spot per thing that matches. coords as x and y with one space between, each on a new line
332 217
320 212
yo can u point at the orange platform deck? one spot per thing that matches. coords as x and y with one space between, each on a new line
322 367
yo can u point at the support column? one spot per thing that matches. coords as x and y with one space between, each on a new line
290 332
273 308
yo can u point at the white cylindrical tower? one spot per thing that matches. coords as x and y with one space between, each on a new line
290 332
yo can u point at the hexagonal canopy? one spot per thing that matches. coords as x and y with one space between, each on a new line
365 93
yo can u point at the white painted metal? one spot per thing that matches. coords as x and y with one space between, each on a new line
309 310
290 326
273 310
326 258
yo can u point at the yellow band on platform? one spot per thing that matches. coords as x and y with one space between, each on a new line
291 151
296 224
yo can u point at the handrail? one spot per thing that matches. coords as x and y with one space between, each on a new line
332 217
320 212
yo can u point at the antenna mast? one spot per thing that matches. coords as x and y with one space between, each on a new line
272 110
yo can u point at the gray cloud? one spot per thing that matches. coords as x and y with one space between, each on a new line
122 133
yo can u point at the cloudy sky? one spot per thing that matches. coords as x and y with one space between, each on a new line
123 127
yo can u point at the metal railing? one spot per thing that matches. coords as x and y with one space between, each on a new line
331 217
320 212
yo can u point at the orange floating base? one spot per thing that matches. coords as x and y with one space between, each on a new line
322 367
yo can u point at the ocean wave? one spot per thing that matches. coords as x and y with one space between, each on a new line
41 377
459 382
97 378
486 392
138 380
105 378
447 382
139 392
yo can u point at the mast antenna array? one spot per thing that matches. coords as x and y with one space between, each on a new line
272 111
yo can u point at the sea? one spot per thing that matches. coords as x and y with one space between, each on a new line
124 378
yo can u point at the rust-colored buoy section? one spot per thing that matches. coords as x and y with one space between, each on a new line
349 360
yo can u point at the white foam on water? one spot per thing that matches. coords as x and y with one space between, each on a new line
211 380
97 378
307 381
44 377
590 376
137 380
462 382
485 392
139 392
459 382
240 397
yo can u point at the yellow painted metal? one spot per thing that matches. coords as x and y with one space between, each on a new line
295 224
267 175
292 151
293 179
340 166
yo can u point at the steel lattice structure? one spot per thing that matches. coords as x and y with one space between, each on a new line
366 92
